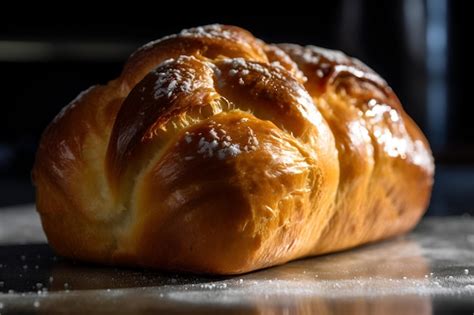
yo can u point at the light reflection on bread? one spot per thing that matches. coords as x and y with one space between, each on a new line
214 152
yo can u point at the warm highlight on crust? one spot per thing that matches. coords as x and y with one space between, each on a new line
214 152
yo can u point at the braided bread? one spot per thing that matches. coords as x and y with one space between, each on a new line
214 152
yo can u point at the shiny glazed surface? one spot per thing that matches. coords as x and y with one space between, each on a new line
214 152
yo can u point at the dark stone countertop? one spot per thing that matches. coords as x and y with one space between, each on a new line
430 271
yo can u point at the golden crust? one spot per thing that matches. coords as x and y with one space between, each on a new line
385 163
214 152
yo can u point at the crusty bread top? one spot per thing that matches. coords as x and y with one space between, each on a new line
215 152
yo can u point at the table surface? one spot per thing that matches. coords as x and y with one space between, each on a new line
429 271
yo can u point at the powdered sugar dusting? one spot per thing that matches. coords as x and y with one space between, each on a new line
252 142
209 31
213 133
217 143
324 58
171 80
242 68
213 31
207 147
229 149
316 55
309 56
188 138
276 64
335 56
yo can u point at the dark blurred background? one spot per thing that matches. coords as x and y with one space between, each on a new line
419 46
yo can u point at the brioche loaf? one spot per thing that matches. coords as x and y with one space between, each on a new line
214 152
